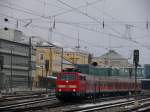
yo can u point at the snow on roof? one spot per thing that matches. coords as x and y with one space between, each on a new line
112 54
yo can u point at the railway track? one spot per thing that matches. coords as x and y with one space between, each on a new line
52 103
123 105
23 96
37 104
22 93
28 104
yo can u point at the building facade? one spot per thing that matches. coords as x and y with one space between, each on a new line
11 34
57 61
17 68
76 57
50 55
111 58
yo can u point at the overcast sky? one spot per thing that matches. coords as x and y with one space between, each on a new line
124 23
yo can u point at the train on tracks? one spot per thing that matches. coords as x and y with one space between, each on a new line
90 81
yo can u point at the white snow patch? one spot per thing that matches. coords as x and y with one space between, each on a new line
102 103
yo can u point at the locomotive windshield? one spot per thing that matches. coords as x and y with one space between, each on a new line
67 77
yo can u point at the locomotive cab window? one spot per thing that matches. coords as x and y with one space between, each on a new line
68 77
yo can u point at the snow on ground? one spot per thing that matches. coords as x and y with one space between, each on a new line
103 103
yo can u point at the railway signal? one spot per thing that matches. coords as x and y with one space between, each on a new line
47 69
136 57
47 65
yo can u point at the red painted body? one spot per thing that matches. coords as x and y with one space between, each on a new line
83 85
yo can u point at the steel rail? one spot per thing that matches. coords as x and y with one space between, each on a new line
107 106
25 103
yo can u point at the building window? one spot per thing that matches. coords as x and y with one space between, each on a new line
41 57
42 66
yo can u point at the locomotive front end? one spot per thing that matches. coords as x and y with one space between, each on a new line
67 85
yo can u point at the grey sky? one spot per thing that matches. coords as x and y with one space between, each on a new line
85 22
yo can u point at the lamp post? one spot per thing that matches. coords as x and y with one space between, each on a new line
62 54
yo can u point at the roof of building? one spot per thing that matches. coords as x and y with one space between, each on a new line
111 54
75 50
18 43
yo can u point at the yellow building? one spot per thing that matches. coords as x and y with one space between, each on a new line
76 57
52 56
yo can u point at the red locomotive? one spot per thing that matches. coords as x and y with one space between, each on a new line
72 83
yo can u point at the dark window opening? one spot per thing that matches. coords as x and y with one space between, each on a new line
82 78
67 77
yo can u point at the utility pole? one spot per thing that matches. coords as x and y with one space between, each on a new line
135 62
62 54
42 84
130 76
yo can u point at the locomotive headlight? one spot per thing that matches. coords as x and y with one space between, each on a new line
59 90
74 90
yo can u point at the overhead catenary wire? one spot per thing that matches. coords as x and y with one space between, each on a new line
28 11
94 22
89 29
40 15
79 7
70 37
92 3
121 23
58 33
90 17
20 7
109 34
